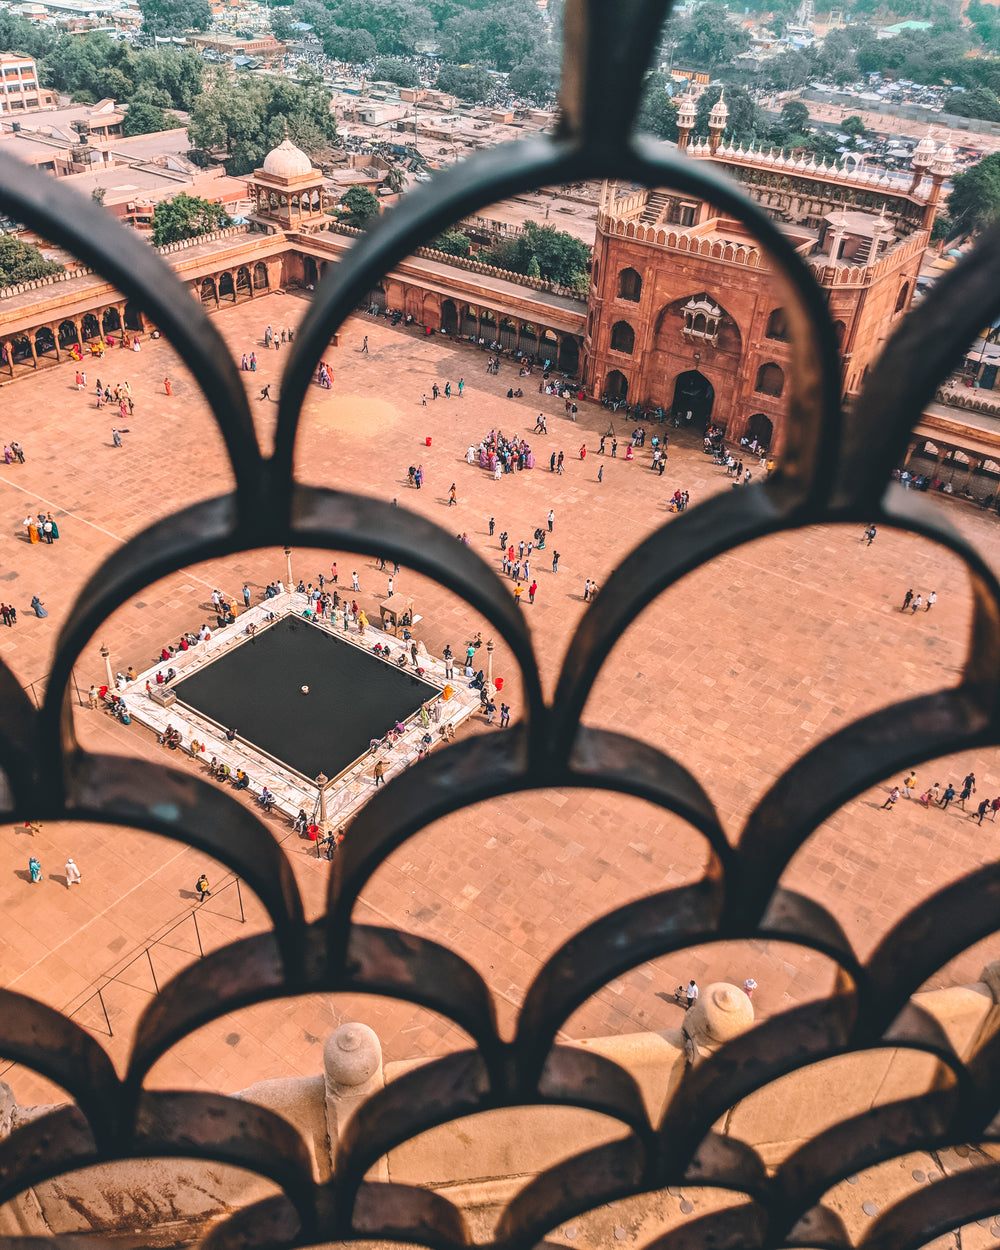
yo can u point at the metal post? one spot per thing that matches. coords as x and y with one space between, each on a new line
107 1018
197 933
239 895
489 669
76 685
288 569
106 656
152 972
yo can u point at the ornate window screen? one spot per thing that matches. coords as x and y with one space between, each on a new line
835 468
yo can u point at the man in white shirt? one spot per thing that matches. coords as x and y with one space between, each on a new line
691 994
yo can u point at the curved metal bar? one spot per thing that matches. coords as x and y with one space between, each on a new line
927 1122
135 793
572 1187
44 1039
379 961
622 939
262 1225
875 746
503 171
68 218
734 1228
928 342
393 1212
939 928
198 1124
444 1090
345 522
17 727
480 769
58 1142
728 1163
931 1212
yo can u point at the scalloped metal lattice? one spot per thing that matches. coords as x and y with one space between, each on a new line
835 469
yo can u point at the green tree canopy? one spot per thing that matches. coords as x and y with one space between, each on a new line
20 262
361 205
708 36
745 122
499 36
390 69
658 110
397 26
537 76
560 257
467 82
980 102
144 119
186 217
454 242
160 17
246 117
795 116
854 127
353 46
974 202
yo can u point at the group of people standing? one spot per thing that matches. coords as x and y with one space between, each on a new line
499 454
41 527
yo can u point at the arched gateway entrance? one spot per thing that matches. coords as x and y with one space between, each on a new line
694 398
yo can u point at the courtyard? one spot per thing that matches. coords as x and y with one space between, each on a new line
735 671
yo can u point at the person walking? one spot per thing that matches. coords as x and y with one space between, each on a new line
551 518
614 449
452 496
518 592
167 387
931 600
907 600
890 802
981 811
909 783
201 885
72 874
93 699
555 562
947 797
266 392
749 985
492 526
586 591
355 584
35 869
246 595
691 994
968 789
364 346
600 473
504 715
531 591
389 585
379 773
917 603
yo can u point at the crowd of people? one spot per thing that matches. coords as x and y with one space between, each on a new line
498 454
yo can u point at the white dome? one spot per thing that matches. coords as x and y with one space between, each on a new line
287 161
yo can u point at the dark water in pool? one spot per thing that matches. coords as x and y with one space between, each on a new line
353 696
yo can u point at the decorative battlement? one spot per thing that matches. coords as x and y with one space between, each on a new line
681 240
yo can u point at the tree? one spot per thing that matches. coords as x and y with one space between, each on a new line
854 127
453 242
708 37
248 116
162 16
658 111
397 26
979 102
394 179
186 217
974 202
467 82
537 76
496 36
20 262
390 69
795 116
361 205
745 121
144 119
98 194
353 46
560 257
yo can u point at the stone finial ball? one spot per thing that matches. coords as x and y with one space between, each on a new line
722 1012
352 1054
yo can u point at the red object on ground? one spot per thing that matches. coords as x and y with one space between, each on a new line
499 683
312 830
427 440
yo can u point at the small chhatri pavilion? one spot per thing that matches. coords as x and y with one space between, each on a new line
287 191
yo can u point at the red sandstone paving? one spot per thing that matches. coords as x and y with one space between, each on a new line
734 671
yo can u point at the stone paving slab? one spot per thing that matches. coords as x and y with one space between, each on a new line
734 671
